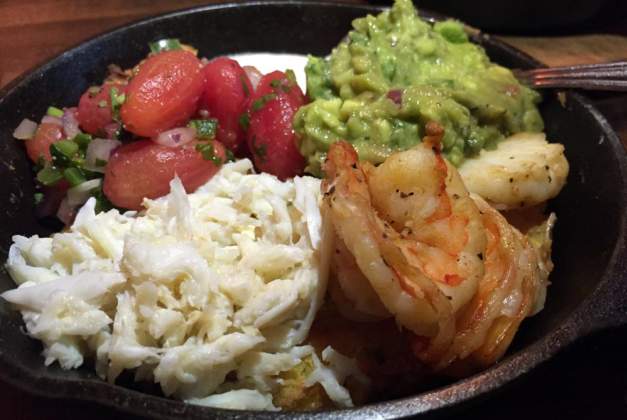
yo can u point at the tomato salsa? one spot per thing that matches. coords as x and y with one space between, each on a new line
173 114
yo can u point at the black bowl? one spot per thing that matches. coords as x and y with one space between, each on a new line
588 288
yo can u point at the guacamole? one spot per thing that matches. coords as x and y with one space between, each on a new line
394 73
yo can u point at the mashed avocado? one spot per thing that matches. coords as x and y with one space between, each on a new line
394 73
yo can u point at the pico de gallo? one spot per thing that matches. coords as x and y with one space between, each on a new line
172 114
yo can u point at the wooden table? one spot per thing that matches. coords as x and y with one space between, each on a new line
32 32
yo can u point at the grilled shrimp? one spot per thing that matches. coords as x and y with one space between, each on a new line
523 170
513 287
414 233
413 244
350 289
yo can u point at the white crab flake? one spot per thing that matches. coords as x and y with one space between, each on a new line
224 281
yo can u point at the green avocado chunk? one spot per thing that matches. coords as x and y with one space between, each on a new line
392 74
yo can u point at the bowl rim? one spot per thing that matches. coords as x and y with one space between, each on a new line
585 318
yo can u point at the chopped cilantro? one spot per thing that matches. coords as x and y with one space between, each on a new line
244 121
167 44
260 151
205 129
38 197
259 103
117 99
102 202
208 153
244 86
53 111
278 83
291 76
41 162
230 157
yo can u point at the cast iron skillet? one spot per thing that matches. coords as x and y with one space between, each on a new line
588 290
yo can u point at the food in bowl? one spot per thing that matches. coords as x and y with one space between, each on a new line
211 279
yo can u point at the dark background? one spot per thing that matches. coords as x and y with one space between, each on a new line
535 17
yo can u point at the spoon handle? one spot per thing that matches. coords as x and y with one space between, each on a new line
606 76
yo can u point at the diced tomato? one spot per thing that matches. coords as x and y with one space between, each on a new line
271 137
39 145
144 169
163 94
94 108
227 88
278 82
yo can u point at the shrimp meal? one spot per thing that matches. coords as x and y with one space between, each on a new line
414 245
246 245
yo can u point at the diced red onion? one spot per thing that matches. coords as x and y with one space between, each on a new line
254 75
26 130
111 130
203 113
175 137
396 96
99 150
49 119
79 194
70 122
66 212
52 199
